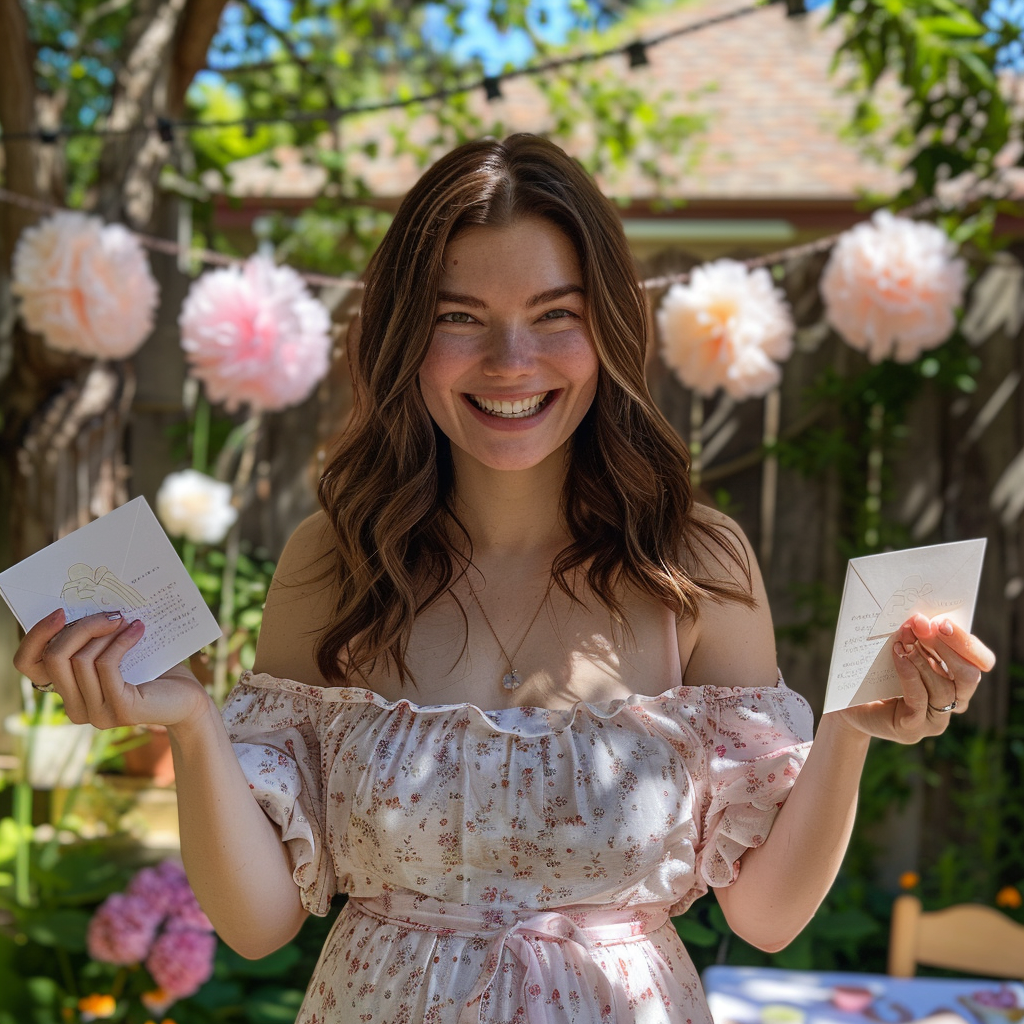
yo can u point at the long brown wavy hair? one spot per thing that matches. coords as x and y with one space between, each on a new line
389 487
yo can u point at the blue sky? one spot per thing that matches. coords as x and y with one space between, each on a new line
550 19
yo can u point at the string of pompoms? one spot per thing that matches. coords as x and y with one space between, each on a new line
166 127
212 257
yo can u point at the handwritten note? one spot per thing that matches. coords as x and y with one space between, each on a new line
881 593
121 562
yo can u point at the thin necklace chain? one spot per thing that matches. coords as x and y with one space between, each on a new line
511 680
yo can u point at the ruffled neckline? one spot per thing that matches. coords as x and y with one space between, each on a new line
525 718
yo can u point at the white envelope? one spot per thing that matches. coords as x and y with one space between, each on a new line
124 562
880 594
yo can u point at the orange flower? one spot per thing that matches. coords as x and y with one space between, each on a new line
1009 896
156 1001
910 880
96 1006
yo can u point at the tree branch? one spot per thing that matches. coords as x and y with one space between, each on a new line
17 115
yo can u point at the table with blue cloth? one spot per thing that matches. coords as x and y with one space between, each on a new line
763 995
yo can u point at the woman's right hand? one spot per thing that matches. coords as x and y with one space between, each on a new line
82 660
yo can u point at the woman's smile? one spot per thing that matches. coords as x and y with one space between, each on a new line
517 408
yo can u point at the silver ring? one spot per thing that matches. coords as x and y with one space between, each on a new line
946 709
46 688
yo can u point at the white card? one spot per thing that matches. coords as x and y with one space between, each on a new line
124 562
881 593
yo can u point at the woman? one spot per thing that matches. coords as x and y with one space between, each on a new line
508 526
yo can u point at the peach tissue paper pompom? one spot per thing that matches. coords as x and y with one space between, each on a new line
193 505
85 286
255 336
727 328
891 287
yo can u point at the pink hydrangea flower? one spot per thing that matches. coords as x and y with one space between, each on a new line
255 336
181 960
165 886
891 287
122 929
727 328
85 286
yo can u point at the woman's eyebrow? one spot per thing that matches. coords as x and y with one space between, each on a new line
555 293
457 298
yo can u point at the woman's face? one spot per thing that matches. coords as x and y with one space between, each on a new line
511 370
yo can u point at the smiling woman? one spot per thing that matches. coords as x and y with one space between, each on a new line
515 692
510 371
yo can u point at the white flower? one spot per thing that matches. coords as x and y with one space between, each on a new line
726 329
891 287
85 287
193 505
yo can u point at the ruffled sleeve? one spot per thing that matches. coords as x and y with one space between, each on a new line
273 730
757 743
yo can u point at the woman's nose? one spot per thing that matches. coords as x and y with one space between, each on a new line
510 349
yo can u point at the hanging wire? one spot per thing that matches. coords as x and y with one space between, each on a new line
165 127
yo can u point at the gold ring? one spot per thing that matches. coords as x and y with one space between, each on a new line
45 688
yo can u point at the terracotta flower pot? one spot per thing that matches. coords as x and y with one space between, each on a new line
151 759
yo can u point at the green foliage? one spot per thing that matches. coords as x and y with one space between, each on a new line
45 968
250 580
945 57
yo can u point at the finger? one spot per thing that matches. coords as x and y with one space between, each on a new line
77 634
956 638
30 650
907 663
949 664
926 687
53 662
88 689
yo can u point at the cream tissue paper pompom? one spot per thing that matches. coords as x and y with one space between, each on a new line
193 505
85 286
255 336
727 328
891 287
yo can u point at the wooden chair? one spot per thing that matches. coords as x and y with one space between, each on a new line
967 937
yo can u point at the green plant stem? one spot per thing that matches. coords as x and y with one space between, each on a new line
201 434
64 961
119 982
246 463
23 819
188 555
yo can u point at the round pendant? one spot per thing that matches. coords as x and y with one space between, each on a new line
510 680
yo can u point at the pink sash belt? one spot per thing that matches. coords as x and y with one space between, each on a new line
513 980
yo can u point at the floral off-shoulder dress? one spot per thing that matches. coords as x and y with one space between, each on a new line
518 866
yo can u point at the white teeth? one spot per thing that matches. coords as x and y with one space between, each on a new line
519 409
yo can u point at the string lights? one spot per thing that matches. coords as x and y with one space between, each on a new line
636 53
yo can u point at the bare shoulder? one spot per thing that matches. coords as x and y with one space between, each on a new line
300 604
732 642
719 549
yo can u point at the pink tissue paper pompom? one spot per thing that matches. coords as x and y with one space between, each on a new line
181 960
726 329
255 336
891 287
122 929
86 287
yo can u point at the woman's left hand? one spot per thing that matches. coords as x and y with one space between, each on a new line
940 666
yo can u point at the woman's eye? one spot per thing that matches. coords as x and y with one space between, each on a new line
557 314
456 318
